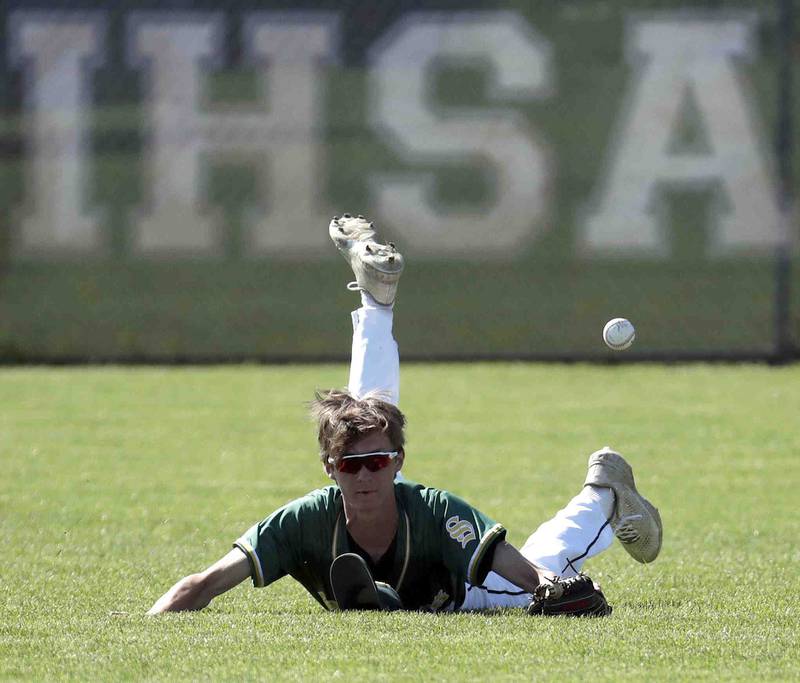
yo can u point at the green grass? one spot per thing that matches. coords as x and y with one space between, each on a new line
117 482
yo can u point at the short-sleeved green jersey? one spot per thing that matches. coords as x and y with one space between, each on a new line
441 543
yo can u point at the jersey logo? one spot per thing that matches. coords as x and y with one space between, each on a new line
460 530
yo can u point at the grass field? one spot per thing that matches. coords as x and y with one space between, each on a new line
117 482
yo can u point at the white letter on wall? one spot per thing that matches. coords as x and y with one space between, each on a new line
57 51
675 56
283 141
401 111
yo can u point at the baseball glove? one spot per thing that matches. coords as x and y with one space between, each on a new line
578 596
354 588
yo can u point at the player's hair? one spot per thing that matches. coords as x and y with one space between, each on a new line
342 419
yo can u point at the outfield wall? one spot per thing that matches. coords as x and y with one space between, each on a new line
167 176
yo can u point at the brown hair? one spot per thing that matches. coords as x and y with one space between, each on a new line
342 419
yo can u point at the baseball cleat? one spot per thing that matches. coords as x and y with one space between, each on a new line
635 521
348 229
377 267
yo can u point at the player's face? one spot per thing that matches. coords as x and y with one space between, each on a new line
365 489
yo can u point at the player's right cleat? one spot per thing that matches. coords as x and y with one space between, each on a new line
354 588
635 521
377 267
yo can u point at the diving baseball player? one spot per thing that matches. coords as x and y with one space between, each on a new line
375 540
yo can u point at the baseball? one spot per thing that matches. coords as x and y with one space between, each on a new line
618 334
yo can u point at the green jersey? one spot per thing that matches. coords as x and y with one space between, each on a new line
441 543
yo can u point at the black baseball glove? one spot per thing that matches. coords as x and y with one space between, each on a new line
578 596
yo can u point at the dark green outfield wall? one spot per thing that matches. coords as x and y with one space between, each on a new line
259 285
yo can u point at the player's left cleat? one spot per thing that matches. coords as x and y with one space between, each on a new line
635 521
354 588
377 267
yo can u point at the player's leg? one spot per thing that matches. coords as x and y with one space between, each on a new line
577 532
561 545
374 360
494 593
607 505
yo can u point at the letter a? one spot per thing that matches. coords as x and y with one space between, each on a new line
675 56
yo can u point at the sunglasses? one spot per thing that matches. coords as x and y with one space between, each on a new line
377 460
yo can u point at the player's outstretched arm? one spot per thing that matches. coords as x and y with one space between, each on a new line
514 567
197 590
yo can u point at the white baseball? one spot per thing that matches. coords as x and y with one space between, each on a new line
618 334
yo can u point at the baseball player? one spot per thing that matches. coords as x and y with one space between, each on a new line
374 540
